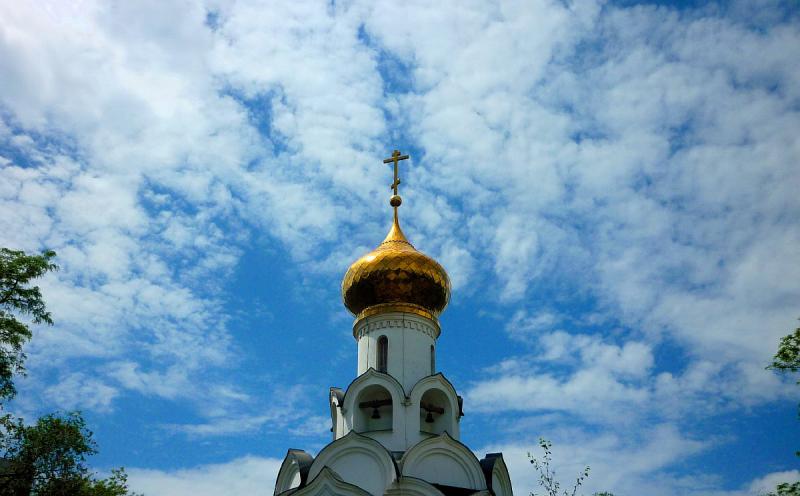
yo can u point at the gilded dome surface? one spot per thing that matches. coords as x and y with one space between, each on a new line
393 274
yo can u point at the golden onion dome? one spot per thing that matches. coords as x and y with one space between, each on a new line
395 276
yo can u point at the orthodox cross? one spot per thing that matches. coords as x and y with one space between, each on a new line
396 157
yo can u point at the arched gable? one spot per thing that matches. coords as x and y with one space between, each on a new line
496 473
372 378
411 486
438 379
294 470
329 482
443 460
368 378
358 460
440 383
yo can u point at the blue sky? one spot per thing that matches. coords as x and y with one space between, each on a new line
612 188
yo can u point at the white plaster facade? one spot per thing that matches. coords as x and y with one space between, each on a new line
395 432
412 340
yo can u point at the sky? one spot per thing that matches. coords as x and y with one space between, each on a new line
612 187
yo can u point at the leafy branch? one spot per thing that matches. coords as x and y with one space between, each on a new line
547 476
17 297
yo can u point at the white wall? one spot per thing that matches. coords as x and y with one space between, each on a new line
410 340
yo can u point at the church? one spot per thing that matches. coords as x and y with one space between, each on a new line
396 426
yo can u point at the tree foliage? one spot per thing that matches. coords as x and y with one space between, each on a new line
47 458
787 360
19 298
786 489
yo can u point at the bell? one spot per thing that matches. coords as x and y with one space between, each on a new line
376 414
429 418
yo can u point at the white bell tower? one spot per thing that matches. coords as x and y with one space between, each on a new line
396 427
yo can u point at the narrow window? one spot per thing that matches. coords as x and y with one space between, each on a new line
383 353
433 361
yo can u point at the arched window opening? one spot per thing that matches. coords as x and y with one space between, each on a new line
433 361
383 354
435 416
375 410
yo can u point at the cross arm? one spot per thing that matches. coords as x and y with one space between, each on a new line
394 159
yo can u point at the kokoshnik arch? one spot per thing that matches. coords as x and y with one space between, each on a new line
396 426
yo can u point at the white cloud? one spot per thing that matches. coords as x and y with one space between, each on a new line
627 464
523 325
596 381
246 475
79 391
229 411
621 464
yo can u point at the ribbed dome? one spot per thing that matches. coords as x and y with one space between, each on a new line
393 274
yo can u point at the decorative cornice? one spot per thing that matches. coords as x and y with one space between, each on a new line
396 307
396 319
